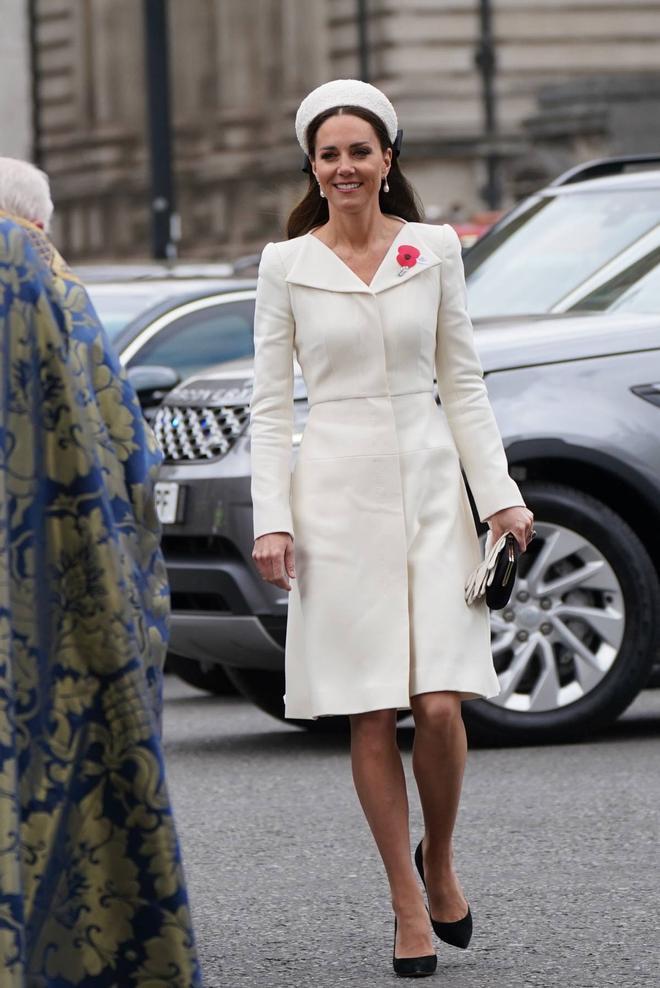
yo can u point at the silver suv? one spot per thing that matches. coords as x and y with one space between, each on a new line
572 364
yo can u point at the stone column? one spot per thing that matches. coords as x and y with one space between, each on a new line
15 84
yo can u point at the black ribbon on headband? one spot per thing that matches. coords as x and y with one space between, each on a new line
396 151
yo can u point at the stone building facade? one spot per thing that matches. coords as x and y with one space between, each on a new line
574 78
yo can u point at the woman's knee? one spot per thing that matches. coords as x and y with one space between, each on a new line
439 711
374 728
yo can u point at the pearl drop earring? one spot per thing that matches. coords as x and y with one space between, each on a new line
321 192
386 187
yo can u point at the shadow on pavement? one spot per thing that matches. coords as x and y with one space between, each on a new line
298 742
241 731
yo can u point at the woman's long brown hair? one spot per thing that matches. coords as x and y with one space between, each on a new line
312 210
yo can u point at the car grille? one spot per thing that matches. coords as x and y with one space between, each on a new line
199 433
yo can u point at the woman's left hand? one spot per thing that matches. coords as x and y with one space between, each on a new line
518 520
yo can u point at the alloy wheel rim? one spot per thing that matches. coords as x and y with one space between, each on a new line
561 632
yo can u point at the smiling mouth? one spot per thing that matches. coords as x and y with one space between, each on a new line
348 186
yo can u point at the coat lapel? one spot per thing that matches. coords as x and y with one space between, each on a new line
388 274
315 265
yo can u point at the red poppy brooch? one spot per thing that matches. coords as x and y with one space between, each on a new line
407 257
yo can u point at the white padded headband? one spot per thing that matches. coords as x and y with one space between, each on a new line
344 92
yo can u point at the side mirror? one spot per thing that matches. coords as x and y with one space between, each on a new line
152 382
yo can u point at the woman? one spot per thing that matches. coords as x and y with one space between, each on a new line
91 886
375 524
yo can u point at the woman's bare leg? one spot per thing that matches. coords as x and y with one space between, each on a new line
381 787
439 753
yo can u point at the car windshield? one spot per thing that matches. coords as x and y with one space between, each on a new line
546 256
117 304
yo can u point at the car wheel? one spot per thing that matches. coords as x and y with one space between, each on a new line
265 688
576 643
212 679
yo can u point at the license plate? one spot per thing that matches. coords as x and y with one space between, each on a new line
167 502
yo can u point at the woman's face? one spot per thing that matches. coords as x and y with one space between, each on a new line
349 162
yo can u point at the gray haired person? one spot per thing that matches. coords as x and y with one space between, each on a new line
25 192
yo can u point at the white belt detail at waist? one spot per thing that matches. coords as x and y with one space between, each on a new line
385 394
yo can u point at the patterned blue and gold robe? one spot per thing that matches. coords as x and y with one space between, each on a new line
92 893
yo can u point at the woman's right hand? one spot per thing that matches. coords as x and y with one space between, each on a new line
273 557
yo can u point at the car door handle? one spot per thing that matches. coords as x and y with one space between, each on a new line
650 392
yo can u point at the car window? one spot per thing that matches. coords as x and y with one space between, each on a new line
116 307
635 288
642 297
531 263
209 336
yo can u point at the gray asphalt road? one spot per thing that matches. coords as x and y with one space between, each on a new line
557 849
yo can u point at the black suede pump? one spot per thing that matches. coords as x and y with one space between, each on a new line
458 933
413 967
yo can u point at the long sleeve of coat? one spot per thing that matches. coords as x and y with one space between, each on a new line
271 411
463 392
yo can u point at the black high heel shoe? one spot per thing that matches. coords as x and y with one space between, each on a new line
458 933
412 967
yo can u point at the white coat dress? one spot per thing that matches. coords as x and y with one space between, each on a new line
376 504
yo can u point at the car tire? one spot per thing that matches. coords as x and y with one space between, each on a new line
212 680
633 595
265 688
